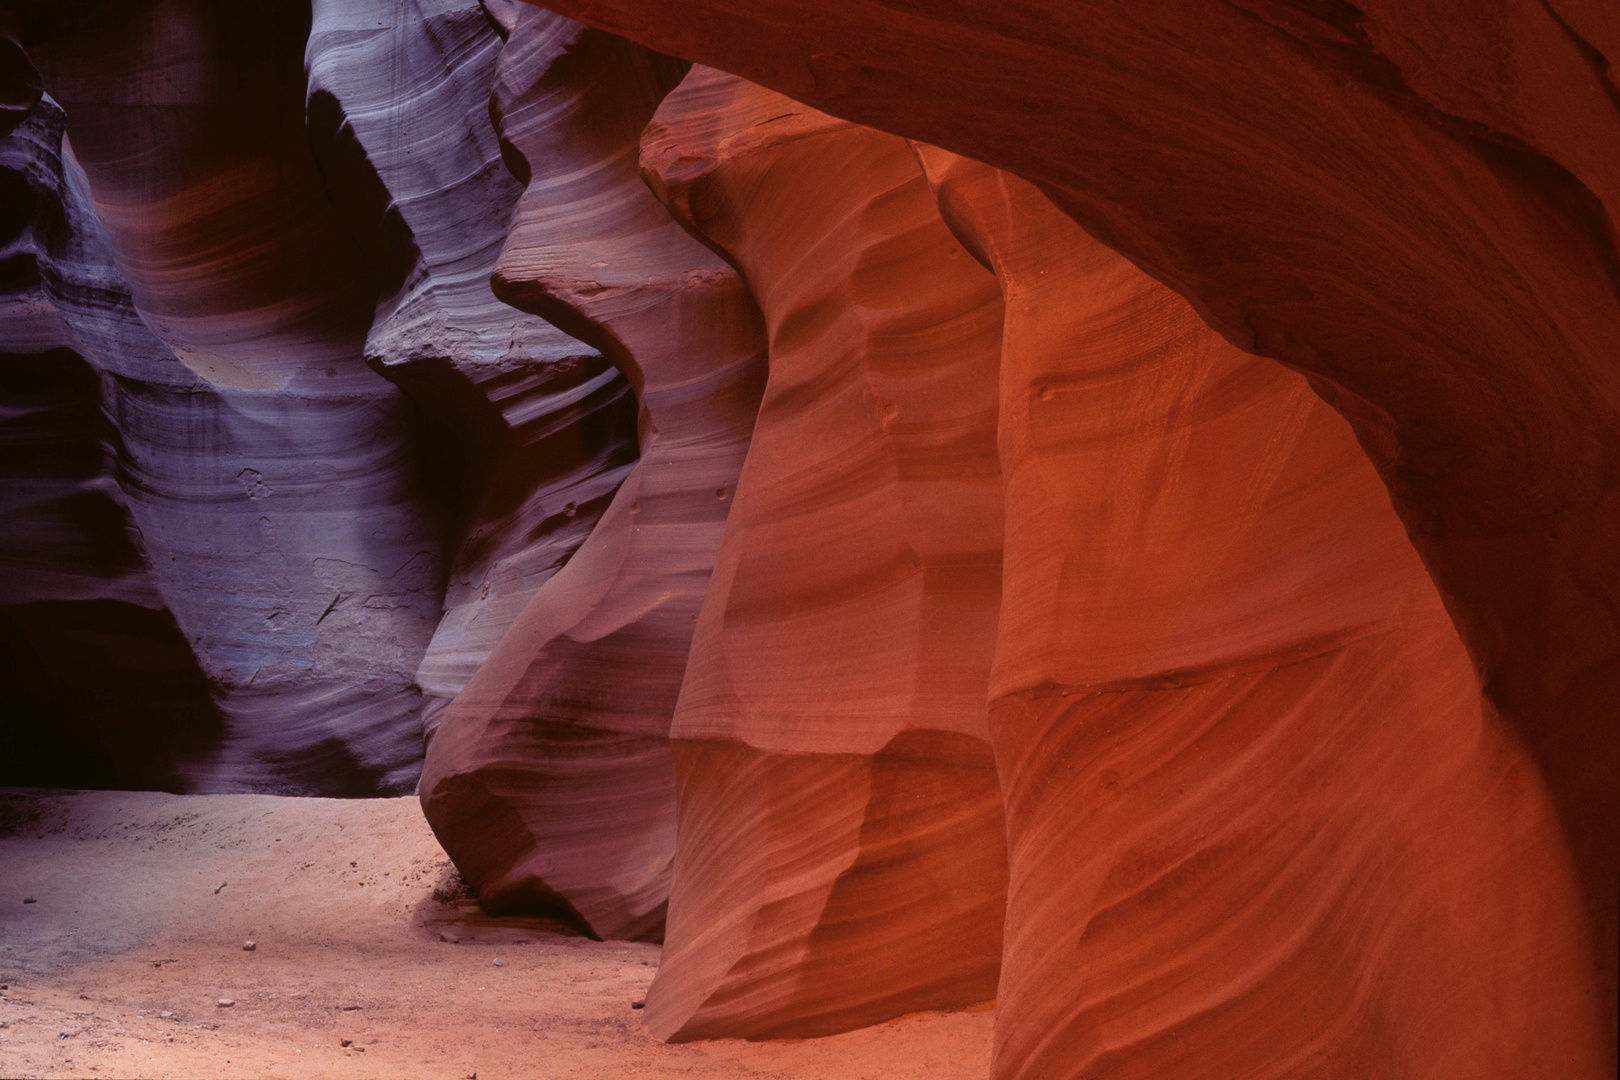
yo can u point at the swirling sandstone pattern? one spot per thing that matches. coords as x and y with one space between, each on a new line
841 856
515 439
102 688
1414 204
20 88
563 736
1219 652
533 431
68 534
1230 720
284 505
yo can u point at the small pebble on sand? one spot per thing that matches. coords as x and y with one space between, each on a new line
500 963
29 900
249 946
638 1004
166 1015
225 1003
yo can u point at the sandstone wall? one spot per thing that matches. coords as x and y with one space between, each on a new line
1155 570
1413 204
348 464
841 856
562 738
293 536
532 431
1225 695
103 688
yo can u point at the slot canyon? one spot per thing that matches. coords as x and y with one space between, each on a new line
832 539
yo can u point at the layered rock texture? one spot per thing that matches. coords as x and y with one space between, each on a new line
322 412
841 839
299 550
1240 681
550 781
1104 508
1412 204
106 690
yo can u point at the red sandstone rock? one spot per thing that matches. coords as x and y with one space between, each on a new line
1247 768
1260 818
550 779
1414 204
841 855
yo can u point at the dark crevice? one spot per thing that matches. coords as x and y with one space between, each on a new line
1344 44
101 694
1602 69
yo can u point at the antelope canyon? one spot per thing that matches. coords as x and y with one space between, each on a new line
810 538
841 856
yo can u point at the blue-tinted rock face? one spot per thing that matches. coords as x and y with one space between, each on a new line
258 388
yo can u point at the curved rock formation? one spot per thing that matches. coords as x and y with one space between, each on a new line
281 495
1269 731
102 688
563 736
841 854
298 529
294 507
1412 203
1226 695
533 431
68 535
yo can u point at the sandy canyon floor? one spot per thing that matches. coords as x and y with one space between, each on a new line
123 917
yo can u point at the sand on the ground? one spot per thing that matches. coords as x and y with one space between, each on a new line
142 903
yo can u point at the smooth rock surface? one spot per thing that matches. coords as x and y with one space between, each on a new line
1268 730
1414 204
278 483
1247 768
285 527
103 688
532 431
563 736
841 856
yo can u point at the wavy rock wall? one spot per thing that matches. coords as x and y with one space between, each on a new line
1413 204
563 736
297 516
103 688
283 482
841 856
531 430
285 505
1225 692
68 534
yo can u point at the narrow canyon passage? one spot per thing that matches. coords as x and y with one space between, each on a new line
836 539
